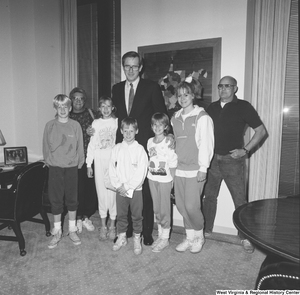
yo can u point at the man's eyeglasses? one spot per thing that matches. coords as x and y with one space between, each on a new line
134 68
78 99
226 86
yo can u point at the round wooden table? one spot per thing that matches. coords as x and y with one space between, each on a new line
273 225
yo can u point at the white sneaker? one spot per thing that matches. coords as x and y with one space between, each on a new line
137 244
74 238
88 224
156 242
120 242
79 226
161 245
185 245
197 245
57 235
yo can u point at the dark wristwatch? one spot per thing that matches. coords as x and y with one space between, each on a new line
247 151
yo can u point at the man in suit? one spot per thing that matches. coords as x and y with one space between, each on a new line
147 100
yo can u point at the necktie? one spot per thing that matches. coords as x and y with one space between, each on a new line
131 97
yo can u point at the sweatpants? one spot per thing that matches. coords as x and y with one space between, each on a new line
62 189
187 196
161 193
106 197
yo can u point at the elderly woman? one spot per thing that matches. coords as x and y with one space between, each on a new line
87 196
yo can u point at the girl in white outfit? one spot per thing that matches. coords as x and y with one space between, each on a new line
99 151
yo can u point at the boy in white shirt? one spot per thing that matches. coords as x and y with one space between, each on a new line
127 172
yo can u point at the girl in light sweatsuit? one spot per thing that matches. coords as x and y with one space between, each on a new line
99 151
193 130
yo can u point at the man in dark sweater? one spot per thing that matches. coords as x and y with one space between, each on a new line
231 116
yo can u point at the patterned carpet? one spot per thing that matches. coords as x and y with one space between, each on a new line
93 268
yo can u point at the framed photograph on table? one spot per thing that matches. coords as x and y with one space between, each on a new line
170 63
15 155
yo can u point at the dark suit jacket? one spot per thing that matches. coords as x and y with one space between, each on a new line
148 100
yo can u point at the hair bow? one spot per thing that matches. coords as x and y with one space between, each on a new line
188 79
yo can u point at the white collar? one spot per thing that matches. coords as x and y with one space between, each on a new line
134 83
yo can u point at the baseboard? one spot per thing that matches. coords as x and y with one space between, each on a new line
225 230
217 228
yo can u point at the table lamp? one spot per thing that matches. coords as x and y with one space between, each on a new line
2 139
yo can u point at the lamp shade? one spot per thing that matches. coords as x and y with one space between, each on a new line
2 139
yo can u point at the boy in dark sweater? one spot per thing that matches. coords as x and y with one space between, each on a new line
63 154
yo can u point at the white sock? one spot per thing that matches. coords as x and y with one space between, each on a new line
190 234
57 225
159 229
72 225
165 233
199 233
